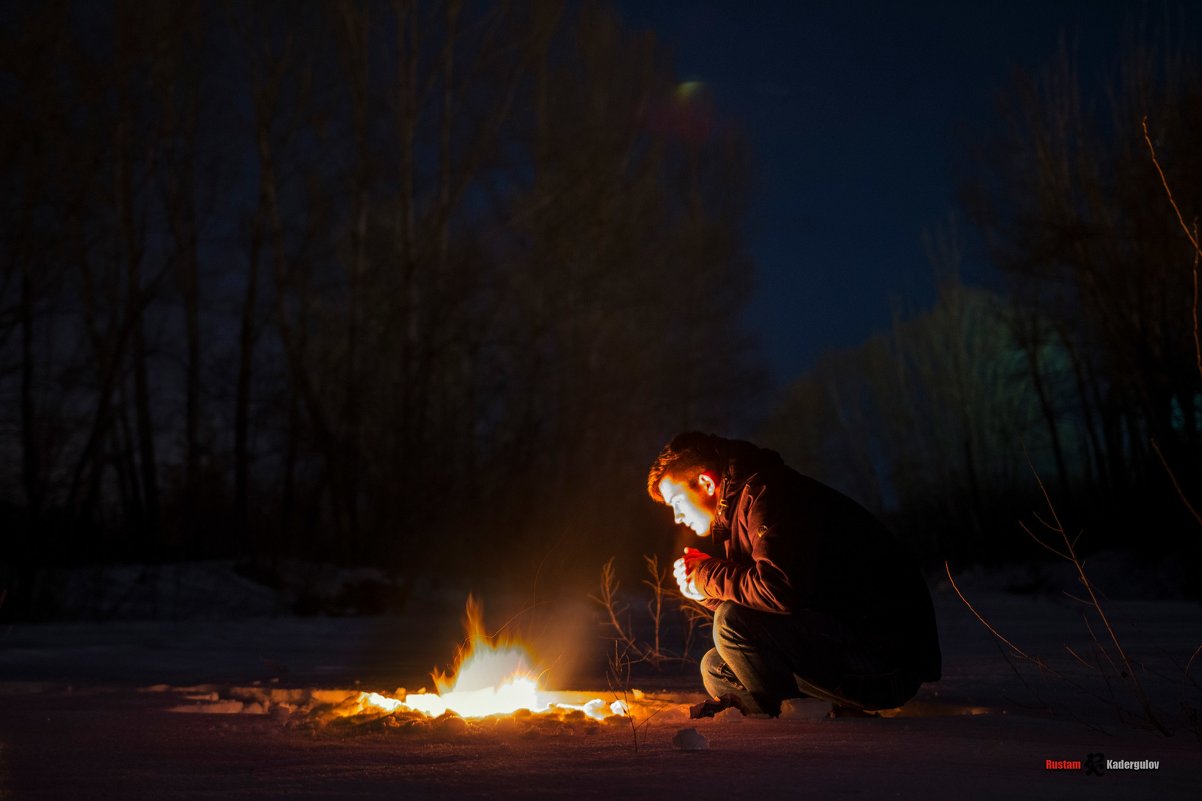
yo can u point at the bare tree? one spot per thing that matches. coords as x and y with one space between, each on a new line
462 252
1079 222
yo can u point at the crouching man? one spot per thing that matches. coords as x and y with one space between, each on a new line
812 596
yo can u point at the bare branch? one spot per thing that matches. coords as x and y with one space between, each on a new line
1074 655
1040 663
1045 523
1192 234
1197 341
1040 542
1129 671
1099 646
1165 182
1068 594
1173 478
984 622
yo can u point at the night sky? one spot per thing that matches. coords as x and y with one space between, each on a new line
856 114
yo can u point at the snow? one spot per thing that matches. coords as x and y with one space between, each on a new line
802 709
690 740
211 708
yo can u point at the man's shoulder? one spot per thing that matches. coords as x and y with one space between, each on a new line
781 489
776 488
779 481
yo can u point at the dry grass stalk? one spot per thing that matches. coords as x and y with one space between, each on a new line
1039 663
655 607
1066 549
619 686
1070 553
661 587
614 609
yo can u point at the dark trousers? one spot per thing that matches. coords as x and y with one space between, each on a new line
764 658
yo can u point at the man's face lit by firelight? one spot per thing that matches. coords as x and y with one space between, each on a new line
694 504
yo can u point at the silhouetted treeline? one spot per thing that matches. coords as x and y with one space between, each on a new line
1085 364
418 284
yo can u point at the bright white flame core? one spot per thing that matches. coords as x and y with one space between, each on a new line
515 694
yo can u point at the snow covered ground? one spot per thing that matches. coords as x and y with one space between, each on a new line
86 712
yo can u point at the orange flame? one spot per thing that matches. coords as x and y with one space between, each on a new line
483 661
492 675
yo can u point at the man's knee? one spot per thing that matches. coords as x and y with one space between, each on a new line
721 617
733 624
712 663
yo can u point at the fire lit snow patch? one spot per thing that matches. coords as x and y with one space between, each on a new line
358 710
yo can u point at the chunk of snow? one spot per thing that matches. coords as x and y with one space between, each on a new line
690 740
595 709
804 709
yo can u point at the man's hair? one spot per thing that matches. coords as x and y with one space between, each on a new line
685 458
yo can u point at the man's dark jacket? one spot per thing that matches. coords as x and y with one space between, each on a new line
793 543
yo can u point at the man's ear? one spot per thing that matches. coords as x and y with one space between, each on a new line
707 483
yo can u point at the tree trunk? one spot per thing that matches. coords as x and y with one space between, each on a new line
31 472
246 344
1088 401
1031 348
182 209
131 253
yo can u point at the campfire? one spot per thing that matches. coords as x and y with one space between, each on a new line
493 675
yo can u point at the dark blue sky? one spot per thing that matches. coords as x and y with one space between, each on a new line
855 113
